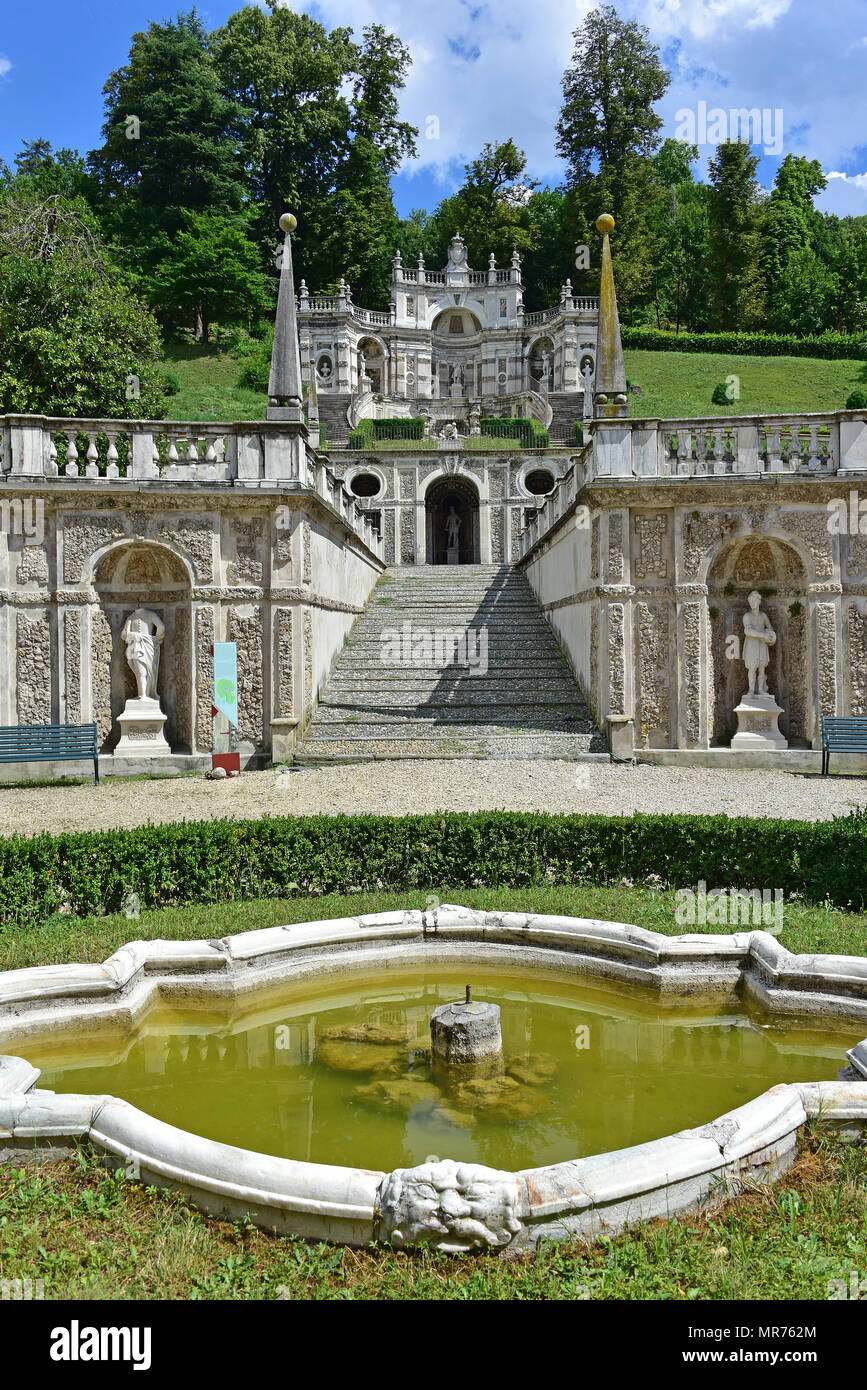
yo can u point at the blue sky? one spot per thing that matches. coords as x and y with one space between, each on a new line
487 71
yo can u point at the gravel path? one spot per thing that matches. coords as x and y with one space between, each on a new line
398 788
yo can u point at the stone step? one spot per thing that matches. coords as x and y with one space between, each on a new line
574 747
529 716
526 704
430 686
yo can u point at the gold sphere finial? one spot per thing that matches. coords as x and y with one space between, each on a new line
605 223
288 222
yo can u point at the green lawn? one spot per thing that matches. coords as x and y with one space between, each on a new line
673 384
682 383
62 940
209 386
88 1234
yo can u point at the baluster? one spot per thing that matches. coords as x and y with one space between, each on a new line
172 456
71 457
699 435
51 466
773 453
92 466
111 468
684 451
814 449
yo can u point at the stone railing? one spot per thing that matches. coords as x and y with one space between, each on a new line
375 318
804 445
114 453
811 444
582 304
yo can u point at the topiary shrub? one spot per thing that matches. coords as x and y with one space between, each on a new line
720 395
857 399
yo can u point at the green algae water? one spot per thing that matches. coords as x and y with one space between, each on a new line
338 1071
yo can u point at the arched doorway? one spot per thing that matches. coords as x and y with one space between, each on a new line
371 363
142 574
443 495
776 570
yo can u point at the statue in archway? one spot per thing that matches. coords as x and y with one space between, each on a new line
453 528
143 633
759 637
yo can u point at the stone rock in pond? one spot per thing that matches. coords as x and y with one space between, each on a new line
380 1033
448 1115
401 1095
532 1068
499 1098
359 1056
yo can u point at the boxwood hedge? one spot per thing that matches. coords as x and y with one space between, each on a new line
828 345
91 872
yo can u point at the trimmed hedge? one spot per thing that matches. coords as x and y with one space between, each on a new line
395 427
829 345
232 861
530 432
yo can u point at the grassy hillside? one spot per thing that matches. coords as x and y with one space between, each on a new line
672 384
209 386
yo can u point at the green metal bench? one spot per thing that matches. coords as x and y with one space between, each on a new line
842 734
49 743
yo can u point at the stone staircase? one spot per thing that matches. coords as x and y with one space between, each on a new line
332 414
566 407
394 692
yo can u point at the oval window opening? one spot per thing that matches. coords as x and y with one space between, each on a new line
539 482
365 485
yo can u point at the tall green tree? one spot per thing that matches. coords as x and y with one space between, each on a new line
364 218
609 91
680 228
789 226
734 239
607 132
170 140
322 138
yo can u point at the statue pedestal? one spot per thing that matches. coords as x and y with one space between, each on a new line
757 724
453 555
457 393
141 730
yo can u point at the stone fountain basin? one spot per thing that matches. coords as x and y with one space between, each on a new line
453 1206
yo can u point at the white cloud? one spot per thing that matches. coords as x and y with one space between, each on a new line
5 66
702 18
858 180
491 69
